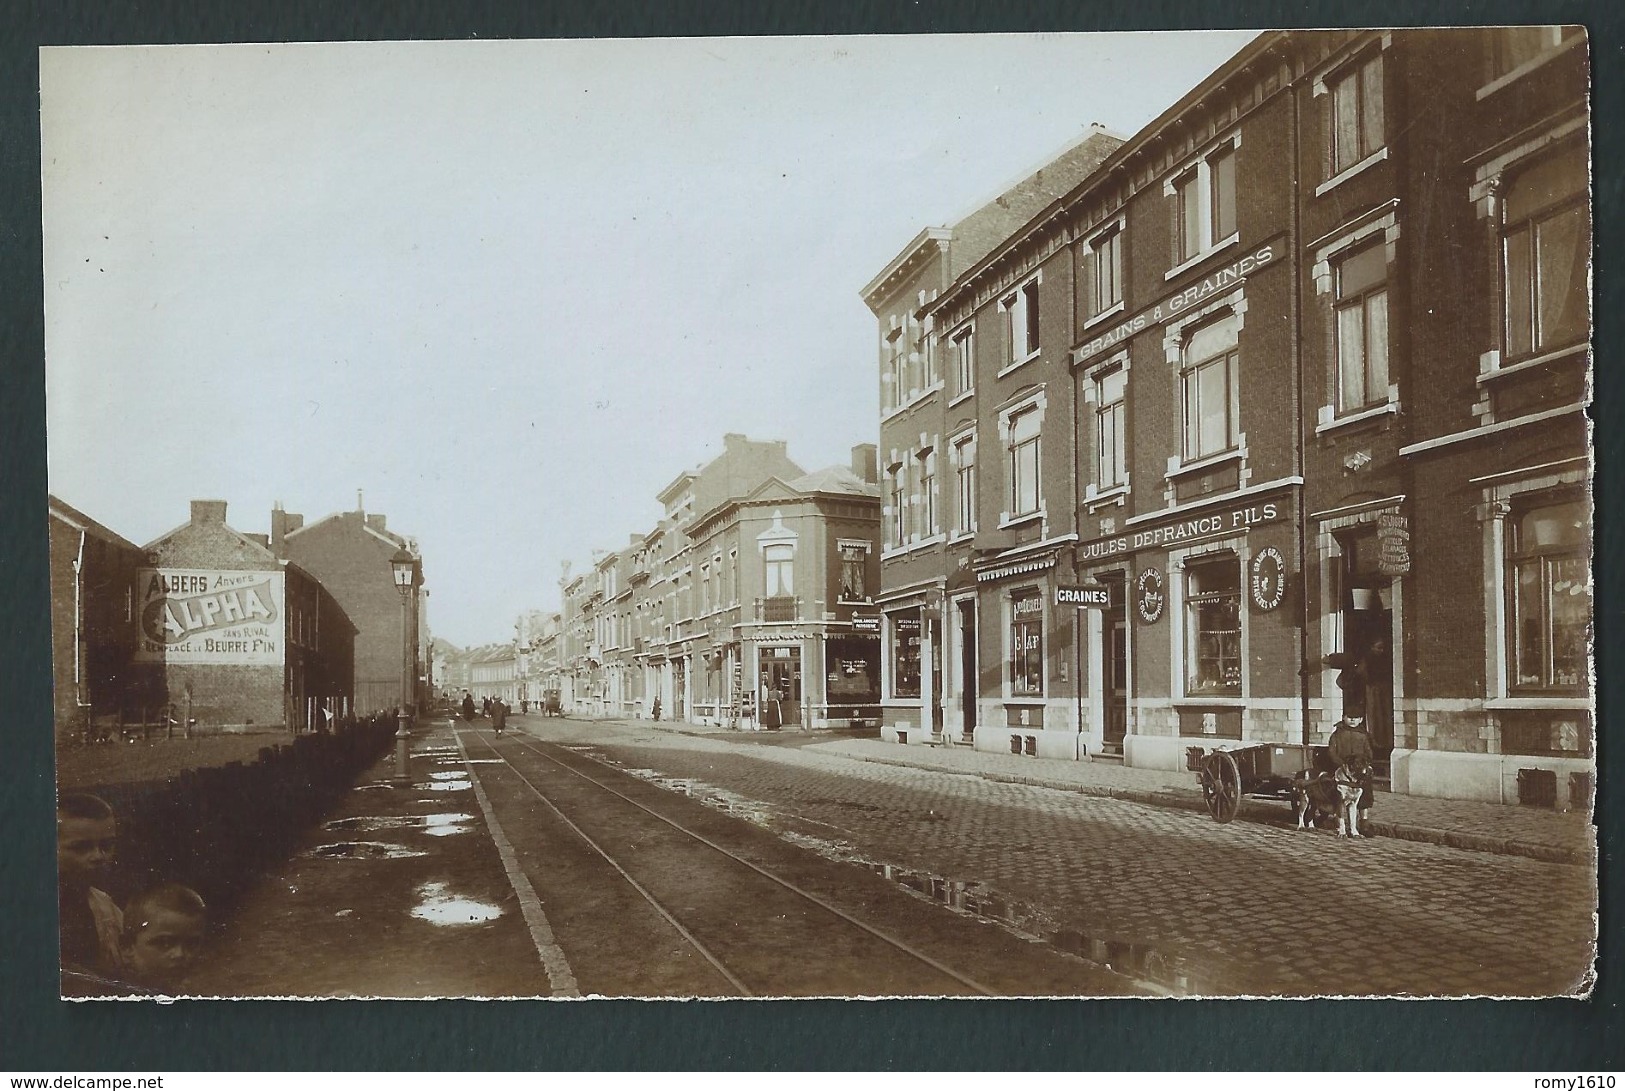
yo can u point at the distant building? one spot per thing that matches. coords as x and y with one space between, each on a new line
493 673
95 627
241 639
350 553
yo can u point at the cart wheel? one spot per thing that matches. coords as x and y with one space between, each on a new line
1221 786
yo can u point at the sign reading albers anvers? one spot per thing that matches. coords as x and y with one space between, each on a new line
1182 530
193 615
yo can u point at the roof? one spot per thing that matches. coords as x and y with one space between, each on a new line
389 537
835 479
80 521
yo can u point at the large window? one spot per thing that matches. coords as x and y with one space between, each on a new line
854 558
1024 462
1362 328
1206 197
905 675
1027 645
965 477
1111 462
1514 47
1546 244
1210 388
1551 597
962 359
1021 311
1213 628
897 367
1356 105
928 492
1105 272
779 561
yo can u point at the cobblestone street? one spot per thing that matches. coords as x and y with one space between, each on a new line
1244 908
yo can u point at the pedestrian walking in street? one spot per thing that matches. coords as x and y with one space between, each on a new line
499 715
163 936
468 706
655 711
90 922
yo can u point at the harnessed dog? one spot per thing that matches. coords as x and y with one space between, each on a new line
1332 794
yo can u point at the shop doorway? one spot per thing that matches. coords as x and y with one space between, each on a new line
781 687
679 689
1114 665
970 682
1368 641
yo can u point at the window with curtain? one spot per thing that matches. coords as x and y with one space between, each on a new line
1024 462
1209 384
1356 109
779 563
1362 328
1205 198
1111 462
965 473
1546 247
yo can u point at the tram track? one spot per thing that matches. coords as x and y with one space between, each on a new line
729 947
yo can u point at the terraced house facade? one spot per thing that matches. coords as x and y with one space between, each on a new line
1293 382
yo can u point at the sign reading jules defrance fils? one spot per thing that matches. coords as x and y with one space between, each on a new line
193 615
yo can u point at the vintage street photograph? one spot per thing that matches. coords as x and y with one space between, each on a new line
977 515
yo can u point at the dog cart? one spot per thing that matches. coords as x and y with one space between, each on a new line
1262 770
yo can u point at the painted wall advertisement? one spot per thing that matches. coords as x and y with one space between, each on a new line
191 615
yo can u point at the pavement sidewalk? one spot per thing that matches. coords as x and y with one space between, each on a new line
1508 829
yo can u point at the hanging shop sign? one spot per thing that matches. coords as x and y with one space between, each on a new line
1096 597
1149 599
1181 531
1268 581
193 615
866 623
1393 544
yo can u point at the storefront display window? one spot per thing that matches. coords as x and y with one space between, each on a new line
1027 645
853 674
1551 597
1213 628
905 674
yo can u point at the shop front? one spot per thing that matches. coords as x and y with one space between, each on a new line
1030 705
1199 645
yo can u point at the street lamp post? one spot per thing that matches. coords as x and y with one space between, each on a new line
404 568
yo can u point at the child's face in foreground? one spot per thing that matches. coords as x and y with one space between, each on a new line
84 848
165 948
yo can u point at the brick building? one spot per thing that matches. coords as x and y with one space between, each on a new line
1294 378
350 553
241 638
95 628
739 604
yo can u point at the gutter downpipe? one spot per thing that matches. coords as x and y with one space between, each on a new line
1296 298
79 627
1077 521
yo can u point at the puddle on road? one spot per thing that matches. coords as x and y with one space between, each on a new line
448 776
362 850
716 798
443 785
440 906
435 825
1142 962
474 761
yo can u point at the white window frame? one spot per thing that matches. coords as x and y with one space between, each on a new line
1381 223
962 349
1200 170
962 455
1111 234
1023 314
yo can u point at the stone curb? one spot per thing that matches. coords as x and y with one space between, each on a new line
1456 839
1192 801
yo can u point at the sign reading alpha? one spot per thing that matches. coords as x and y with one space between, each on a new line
206 616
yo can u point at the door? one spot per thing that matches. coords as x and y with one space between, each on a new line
781 685
969 679
1367 680
1114 675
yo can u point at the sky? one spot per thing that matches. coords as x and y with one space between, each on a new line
510 290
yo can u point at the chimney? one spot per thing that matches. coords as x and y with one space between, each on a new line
376 522
208 513
731 440
866 462
283 524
